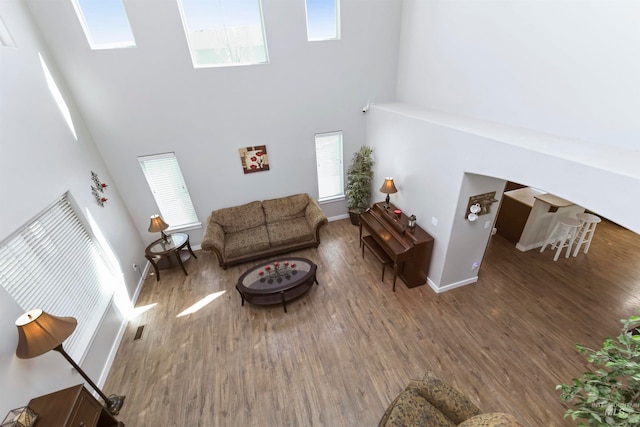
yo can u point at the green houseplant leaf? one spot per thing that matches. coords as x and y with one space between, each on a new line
359 177
610 395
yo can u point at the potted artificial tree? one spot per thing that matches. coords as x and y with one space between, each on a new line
358 188
610 395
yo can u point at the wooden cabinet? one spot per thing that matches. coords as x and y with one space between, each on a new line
73 406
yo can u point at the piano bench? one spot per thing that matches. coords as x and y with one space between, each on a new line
377 252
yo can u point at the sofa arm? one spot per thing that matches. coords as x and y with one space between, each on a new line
315 217
213 240
492 419
451 402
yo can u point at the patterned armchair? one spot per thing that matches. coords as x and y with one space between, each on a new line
432 402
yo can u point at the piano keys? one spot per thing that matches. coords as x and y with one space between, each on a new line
409 248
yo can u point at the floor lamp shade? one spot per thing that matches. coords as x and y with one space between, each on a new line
40 332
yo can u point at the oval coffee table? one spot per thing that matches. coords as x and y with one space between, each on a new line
277 281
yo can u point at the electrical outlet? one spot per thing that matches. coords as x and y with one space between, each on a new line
434 221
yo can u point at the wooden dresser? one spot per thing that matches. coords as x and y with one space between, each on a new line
409 249
73 406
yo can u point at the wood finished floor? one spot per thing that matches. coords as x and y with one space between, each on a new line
349 346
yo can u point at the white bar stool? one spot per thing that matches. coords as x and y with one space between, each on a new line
585 234
562 236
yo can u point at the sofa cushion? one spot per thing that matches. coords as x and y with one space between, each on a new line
411 409
491 419
285 208
238 218
289 232
246 241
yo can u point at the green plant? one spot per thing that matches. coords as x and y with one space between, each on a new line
609 396
359 177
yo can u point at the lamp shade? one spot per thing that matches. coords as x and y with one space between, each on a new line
157 224
388 186
39 332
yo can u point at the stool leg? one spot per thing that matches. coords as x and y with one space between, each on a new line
592 230
395 274
550 238
561 243
580 238
574 234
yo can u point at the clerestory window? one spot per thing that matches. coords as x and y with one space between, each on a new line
323 20
224 32
105 23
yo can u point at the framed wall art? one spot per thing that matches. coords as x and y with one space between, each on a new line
254 159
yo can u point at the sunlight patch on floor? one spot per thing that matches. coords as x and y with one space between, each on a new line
139 310
200 304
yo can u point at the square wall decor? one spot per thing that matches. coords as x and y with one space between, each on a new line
254 159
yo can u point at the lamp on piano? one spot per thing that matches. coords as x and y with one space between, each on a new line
388 188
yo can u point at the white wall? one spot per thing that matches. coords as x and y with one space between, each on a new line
150 99
440 160
39 161
562 67
544 93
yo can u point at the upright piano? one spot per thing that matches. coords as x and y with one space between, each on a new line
409 248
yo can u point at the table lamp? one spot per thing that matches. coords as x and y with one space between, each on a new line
388 188
40 332
157 224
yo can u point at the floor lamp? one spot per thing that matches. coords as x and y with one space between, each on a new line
40 332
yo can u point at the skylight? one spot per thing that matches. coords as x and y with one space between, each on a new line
105 23
224 32
323 20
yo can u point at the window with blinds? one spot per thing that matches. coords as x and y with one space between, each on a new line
166 182
329 165
54 264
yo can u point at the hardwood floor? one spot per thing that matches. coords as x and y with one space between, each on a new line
348 347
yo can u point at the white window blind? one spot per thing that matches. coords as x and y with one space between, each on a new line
329 165
52 263
170 192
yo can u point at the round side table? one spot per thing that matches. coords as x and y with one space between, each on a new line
161 253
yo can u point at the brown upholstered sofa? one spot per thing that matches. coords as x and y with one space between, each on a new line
260 229
432 402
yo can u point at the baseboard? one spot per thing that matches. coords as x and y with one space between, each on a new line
123 327
524 248
338 217
440 289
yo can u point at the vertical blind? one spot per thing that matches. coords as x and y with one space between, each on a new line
52 263
166 182
329 165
